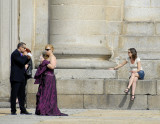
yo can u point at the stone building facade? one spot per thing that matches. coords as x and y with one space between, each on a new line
89 36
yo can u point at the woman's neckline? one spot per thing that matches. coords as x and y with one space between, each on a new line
131 61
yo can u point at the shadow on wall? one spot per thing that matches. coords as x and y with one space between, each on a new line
123 102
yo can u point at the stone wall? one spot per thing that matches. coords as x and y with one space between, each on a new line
101 94
8 42
90 35
140 30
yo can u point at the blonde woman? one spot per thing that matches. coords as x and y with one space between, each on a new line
47 93
136 71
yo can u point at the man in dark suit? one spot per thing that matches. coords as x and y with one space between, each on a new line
17 77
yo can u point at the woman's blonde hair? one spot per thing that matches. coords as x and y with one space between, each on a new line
49 45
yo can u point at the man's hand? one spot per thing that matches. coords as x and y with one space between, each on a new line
25 53
26 66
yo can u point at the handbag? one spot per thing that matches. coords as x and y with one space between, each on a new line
29 69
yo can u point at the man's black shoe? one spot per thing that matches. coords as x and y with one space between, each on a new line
13 113
26 113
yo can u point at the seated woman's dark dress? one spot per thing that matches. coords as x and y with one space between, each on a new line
46 97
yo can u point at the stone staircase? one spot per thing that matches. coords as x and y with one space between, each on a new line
98 89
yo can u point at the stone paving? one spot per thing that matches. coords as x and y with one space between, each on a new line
84 116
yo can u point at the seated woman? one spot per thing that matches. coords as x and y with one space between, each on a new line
136 71
46 98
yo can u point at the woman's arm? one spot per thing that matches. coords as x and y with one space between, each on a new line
138 66
120 65
52 64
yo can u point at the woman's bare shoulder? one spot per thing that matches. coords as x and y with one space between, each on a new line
52 57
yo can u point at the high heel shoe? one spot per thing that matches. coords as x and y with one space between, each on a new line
133 98
127 90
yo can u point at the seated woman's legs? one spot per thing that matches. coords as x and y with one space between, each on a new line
134 87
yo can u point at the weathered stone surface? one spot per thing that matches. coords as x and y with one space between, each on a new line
84 74
114 28
87 2
158 87
81 50
139 28
70 101
155 3
154 102
137 3
113 14
83 63
4 91
142 14
7 37
85 41
73 12
4 99
115 102
26 22
5 87
112 43
70 27
64 101
78 2
4 104
40 38
142 87
157 28
31 100
140 43
79 86
94 101
114 2
31 87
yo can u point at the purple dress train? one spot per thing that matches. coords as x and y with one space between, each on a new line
46 97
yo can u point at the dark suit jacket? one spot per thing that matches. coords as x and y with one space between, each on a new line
18 66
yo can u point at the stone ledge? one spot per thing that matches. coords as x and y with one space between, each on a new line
84 63
80 50
88 86
117 86
83 73
72 86
70 101
154 102
115 102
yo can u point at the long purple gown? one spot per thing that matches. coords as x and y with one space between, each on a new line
46 97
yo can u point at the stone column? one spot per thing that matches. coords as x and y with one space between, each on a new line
34 25
8 42
78 32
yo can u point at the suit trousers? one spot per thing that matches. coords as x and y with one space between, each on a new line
17 90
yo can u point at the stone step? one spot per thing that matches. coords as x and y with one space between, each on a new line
101 93
143 87
99 86
84 63
80 50
83 73
7 105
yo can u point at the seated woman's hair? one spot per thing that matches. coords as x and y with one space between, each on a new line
28 50
45 56
134 53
